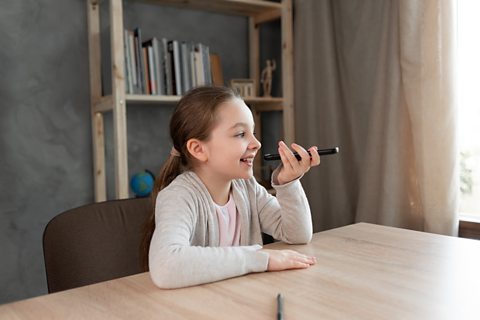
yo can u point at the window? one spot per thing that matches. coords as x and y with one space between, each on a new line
468 89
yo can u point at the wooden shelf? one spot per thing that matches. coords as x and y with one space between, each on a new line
260 10
260 104
143 98
258 101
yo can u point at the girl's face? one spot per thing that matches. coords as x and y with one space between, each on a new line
232 144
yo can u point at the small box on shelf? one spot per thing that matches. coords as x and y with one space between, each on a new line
244 87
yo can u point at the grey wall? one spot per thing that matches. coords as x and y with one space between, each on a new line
45 139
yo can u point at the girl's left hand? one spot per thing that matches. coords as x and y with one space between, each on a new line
293 168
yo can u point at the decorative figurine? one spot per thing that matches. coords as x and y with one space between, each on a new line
266 77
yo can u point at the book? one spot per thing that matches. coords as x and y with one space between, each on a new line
152 74
133 72
158 66
205 53
193 67
199 69
198 65
167 64
177 66
216 70
185 49
146 75
140 64
151 70
128 70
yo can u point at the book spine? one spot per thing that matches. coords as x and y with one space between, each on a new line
128 70
177 67
193 67
186 76
200 75
133 73
151 70
140 61
206 64
159 70
216 68
167 62
148 87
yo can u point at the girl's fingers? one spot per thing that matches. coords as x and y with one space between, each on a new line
304 261
309 260
305 161
315 157
292 167
301 257
284 158
300 265
288 159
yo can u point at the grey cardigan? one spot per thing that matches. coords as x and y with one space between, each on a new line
184 250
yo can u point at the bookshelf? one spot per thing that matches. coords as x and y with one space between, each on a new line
257 11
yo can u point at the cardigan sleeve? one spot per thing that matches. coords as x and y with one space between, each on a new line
286 216
174 262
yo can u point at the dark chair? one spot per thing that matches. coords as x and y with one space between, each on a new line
94 243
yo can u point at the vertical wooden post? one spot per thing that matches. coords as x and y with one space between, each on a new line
254 63
254 53
287 71
118 98
98 137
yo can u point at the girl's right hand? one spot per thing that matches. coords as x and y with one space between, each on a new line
292 168
287 259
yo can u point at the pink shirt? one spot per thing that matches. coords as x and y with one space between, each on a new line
228 223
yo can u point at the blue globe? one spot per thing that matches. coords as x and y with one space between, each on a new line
142 184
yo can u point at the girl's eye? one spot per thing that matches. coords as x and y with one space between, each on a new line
241 135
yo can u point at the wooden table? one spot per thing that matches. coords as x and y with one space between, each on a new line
364 271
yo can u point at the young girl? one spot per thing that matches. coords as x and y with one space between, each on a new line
210 211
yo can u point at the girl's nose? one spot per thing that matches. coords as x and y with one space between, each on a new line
255 144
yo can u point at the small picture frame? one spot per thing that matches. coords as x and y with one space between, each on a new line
244 87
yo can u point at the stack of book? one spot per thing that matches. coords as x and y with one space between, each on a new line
164 67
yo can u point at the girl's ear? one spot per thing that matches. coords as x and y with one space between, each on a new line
197 149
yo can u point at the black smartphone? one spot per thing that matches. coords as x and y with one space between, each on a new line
321 152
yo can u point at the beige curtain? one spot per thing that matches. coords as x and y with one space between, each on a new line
376 78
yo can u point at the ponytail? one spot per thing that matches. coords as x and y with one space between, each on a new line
170 170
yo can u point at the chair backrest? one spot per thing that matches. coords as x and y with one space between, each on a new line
94 243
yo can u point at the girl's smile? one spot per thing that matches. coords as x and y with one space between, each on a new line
248 161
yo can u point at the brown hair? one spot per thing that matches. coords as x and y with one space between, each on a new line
193 118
